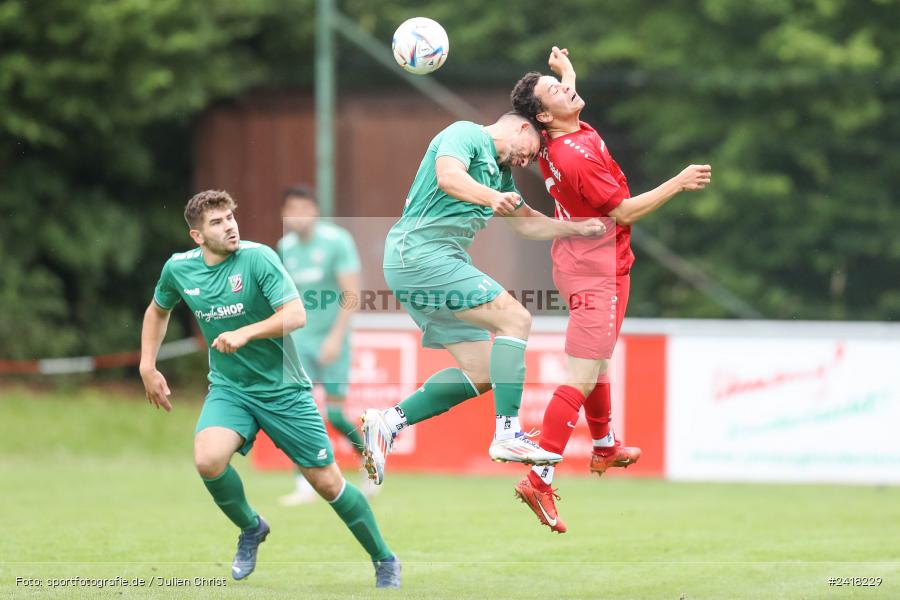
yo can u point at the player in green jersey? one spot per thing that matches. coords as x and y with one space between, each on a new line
463 180
321 258
245 304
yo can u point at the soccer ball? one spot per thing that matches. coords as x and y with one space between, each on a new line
420 45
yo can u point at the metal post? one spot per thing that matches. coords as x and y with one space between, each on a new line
325 106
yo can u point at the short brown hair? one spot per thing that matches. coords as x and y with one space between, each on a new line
300 190
204 201
523 99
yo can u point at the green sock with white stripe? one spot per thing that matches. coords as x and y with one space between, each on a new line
354 510
443 390
508 380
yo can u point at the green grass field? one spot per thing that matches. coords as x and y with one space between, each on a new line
98 485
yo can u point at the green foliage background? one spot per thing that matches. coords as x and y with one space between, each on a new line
794 102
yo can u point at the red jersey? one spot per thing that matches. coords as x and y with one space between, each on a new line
585 181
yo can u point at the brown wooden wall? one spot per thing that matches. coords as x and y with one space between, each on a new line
257 146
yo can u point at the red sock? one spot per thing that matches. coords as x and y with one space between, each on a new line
537 482
598 410
560 418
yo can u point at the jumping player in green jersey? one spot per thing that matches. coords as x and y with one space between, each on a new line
245 305
322 260
463 180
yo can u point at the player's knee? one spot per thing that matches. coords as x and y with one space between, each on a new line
208 466
327 481
585 387
482 382
518 322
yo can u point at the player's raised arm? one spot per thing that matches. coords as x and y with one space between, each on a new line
560 64
692 178
534 225
454 180
153 331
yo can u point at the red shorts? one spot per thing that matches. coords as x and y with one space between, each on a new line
596 311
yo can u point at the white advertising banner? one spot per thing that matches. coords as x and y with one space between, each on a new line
770 409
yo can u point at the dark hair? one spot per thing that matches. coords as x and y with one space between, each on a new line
300 190
204 201
523 99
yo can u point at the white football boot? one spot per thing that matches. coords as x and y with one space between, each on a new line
378 438
521 449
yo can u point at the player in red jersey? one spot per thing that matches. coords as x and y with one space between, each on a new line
592 274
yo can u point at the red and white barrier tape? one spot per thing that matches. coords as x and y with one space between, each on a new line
87 364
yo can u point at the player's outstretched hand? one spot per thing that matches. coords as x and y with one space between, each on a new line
229 341
157 389
695 177
504 203
559 61
591 227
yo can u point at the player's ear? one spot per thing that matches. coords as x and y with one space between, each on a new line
196 236
543 117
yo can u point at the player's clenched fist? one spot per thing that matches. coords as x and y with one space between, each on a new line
559 60
504 203
591 227
695 177
229 341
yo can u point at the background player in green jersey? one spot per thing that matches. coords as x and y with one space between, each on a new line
463 180
321 258
245 303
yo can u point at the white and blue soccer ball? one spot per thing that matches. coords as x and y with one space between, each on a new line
420 45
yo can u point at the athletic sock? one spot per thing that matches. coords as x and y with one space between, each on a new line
354 510
335 415
544 474
506 427
507 375
228 493
598 409
441 392
560 418
607 442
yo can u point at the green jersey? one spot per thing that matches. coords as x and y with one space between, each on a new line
435 225
243 289
315 265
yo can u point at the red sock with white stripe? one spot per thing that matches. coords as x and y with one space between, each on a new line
598 412
559 421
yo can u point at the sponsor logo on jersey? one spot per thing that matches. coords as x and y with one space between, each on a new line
192 292
220 312
237 283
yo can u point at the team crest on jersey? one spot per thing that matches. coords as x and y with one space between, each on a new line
237 283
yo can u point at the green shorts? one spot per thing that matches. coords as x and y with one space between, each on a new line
291 420
335 376
433 293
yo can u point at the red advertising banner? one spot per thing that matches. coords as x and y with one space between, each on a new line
388 365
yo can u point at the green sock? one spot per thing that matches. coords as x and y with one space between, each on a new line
353 508
335 415
443 390
228 492
508 374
